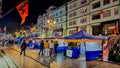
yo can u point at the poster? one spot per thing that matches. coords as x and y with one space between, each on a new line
69 53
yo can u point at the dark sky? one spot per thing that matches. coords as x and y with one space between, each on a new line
36 7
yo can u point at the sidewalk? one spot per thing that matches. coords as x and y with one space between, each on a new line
63 62
22 61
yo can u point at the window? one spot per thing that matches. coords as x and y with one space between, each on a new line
115 0
61 12
74 14
106 2
107 13
83 20
96 5
74 22
71 23
83 1
74 5
95 16
70 15
56 14
70 7
116 11
61 19
83 10
72 32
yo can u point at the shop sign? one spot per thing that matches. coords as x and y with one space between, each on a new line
111 27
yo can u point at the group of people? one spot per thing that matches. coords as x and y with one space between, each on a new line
47 48
4 42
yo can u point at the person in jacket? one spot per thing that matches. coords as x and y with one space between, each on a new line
55 48
23 47
41 47
47 48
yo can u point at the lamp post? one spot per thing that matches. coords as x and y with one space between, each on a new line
51 23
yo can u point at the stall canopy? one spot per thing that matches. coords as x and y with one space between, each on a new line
81 35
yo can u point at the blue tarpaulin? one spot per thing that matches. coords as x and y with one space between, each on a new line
92 53
81 35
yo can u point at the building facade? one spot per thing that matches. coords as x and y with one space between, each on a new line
104 16
59 15
40 24
77 16
94 16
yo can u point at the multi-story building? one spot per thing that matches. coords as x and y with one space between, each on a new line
104 16
40 24
46 17
59 15
94 16
77 16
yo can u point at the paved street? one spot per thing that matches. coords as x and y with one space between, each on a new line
32 60
22 61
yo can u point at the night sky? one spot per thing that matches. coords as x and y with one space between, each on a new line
36 7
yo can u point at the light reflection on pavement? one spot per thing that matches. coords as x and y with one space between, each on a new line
62 61
23 61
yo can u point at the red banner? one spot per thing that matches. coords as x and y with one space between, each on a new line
23 10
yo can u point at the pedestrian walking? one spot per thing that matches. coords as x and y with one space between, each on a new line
23 47
47 48
55 48
41 48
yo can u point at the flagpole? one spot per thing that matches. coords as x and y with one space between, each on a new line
7 13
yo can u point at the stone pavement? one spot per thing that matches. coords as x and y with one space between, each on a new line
22 61
60 61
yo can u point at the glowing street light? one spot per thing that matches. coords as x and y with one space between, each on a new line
51 23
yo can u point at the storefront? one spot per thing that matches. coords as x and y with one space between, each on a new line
106 28
58 32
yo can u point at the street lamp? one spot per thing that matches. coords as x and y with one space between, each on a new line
51 23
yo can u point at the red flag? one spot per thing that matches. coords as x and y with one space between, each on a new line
101 12
23 10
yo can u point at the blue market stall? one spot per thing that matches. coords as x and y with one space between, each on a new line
89 45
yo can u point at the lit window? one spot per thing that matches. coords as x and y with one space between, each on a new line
107 13
106 2
96 5
95 16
